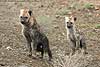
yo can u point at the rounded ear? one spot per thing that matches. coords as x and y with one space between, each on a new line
75 18
30 12
66 19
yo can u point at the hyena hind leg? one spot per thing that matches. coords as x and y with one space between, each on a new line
42 54
49 54
85 50
72 51
83 46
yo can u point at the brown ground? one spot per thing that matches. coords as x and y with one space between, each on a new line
50 15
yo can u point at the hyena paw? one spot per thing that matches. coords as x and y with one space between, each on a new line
85 52
41 57
77 48
30 54
72 53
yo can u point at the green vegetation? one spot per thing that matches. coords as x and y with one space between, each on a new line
75 6
63 11
20 4
97 26
44 19
88 6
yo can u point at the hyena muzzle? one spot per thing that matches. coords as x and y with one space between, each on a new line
75 39
35 38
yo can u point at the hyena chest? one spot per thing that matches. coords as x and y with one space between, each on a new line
73 37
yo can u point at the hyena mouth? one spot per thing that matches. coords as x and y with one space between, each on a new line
69 26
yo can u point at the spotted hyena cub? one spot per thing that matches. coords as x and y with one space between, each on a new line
36 39
75 39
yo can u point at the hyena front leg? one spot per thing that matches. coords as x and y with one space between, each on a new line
34 46
77 42
29 40
85 50
73 45
77 45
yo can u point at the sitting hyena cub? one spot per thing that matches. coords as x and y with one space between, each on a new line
35 38
75 38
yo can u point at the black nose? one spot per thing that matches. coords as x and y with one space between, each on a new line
22 22
68 26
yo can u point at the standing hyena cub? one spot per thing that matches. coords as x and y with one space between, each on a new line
75 39
35 38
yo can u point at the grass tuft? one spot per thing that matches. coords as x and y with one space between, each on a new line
88 6
63 11
97 26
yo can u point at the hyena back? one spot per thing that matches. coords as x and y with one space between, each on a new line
75 39
32 33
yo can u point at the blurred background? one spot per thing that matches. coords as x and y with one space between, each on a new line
50 15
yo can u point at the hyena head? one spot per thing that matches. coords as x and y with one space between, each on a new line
69 21
25 15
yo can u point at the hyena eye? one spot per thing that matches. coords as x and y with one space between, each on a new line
26 17
20 16
71 23
67 22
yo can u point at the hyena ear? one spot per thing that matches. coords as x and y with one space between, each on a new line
30 12
75 18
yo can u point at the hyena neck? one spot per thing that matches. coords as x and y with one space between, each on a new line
27 25
35 27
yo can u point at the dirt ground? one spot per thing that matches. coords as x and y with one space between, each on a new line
50 15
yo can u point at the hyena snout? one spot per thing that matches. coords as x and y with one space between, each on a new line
23 19
69 24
